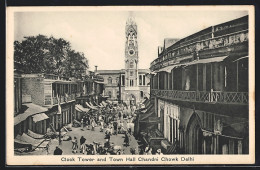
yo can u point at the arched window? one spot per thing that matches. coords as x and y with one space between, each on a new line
109 80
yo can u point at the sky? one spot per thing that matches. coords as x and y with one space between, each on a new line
100 35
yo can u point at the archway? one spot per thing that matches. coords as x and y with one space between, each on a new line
194 135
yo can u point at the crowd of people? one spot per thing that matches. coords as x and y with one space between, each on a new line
113 119
109 120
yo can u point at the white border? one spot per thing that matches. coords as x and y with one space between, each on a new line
198 159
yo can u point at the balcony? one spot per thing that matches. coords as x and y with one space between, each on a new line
53 100
176 55
213 97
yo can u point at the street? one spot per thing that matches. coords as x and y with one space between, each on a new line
91 136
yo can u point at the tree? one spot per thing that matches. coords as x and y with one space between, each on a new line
41 54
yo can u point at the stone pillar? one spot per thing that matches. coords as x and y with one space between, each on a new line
239 147
204 77
156 105
158 80
204 146
222 77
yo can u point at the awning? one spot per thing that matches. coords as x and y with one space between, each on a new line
80 108
35 135
208 60
146 115
240 58
39 117
169 68
91 107
30 109
104 103
110 102
165 144
35 142
201 61
99 82
144 111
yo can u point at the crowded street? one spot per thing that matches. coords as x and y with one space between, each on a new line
191 97
109 133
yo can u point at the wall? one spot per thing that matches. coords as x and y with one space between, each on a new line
35 88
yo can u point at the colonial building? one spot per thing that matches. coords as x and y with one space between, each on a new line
38 97
199 86
130 84
48 91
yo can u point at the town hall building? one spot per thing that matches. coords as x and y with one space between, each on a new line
131 84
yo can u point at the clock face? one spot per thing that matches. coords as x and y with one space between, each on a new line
131 52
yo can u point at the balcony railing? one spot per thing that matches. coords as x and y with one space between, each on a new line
203 96
54 101
195 47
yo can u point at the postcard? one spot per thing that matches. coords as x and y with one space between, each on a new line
130 85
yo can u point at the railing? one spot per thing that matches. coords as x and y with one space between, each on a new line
63 99
189 49
203 96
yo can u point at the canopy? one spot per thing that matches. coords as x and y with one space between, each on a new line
80 108
144 111
104 103
91 107
34 135
39 117
169 68
200 61
240 58
110 102
99 82
101 105
34 142
30 110
146 115
208 60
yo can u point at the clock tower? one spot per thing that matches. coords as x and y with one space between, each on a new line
131 54
131 62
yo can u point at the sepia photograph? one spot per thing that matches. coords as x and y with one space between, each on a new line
130 85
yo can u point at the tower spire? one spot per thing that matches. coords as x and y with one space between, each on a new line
130 20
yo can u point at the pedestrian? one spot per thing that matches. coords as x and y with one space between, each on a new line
115 127
82 144
150 151
107 137
47 148
159 152
102 124
93 124
126 140
111 128
82 125
57 151
74 145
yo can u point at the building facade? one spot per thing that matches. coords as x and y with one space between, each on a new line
38 98
130 84
199 86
